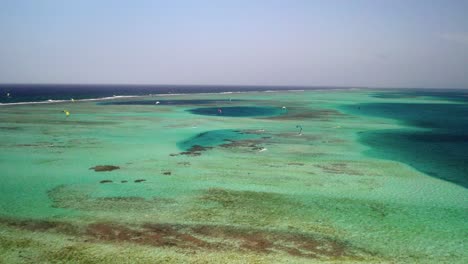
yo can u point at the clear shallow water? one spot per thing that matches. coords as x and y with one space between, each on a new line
257 192
215 138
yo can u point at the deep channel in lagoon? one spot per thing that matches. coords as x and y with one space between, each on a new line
263 193
238 111
434 139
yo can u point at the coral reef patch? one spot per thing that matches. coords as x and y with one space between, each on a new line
100 168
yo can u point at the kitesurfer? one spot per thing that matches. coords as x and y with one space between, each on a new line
300 129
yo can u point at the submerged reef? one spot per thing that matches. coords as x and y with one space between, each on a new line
208 238
74 197
338 168
100 168
105 181
195 150
227 138
305 113
252 144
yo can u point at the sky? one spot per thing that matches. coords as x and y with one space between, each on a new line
371 43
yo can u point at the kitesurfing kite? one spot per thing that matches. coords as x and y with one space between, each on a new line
300 129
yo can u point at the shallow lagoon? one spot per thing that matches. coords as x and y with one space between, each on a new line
254 190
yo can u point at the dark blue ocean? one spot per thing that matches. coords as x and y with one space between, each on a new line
38 93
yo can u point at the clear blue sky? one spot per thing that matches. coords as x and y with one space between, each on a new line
382 43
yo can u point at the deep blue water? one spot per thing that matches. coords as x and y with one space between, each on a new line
435 140
37 93
170 102
458 95
237 111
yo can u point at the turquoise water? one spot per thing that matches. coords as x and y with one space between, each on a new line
435 140
241 188
215 138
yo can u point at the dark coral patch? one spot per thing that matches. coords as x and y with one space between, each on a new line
37 225
105 181
203 237
252 144
195 150
100 168
10 128
296 163
194 146
338 168
223 238
198 148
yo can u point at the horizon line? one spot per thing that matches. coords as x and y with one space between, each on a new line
227 85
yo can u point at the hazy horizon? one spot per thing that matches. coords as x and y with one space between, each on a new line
5 85
374 44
